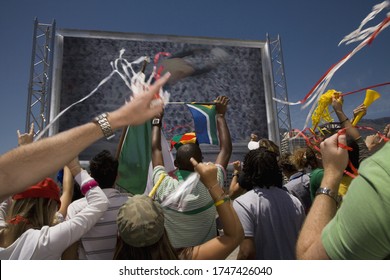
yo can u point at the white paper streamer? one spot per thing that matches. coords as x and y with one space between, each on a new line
178 199
134 81
358 34
353 37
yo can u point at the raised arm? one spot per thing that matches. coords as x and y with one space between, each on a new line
352 131
234 189
27 164
67 191
225 142
219 247
324 207
72 169
157 155
26 138
343 119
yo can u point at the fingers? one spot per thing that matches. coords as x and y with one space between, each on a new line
222 100
159 83
334 140
18 132
31 129
337 96
342 139
154 89
194 162
225 100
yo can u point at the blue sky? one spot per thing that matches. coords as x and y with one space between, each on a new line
310 32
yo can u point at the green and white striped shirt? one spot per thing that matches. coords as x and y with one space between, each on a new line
196 222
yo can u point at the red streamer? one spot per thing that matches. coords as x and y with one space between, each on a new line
374 86
373 36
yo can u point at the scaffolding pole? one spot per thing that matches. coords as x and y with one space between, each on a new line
39 86
279 85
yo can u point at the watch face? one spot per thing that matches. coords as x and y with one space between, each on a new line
156 121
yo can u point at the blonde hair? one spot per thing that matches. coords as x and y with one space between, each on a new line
269 145
36 213
303 158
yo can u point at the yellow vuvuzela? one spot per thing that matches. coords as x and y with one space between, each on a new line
371 96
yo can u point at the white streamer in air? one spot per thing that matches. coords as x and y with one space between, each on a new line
134 81
356 36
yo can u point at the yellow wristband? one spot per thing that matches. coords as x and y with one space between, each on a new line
222 201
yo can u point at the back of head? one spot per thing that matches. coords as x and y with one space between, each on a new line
261 168
161 250
285 163
141 229
33 208
33 212
305 158
184 153
269 145
104 169
299 158
353 155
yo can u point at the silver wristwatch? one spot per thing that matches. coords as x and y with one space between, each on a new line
102 121
330 193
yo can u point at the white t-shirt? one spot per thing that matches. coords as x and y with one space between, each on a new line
48 243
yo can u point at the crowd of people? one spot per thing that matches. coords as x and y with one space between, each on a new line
325 202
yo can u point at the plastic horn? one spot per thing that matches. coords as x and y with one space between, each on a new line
155 187
371 96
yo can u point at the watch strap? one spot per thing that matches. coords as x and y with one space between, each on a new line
330 193
105 126
156 122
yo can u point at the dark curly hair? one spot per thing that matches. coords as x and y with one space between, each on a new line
104 169
261 169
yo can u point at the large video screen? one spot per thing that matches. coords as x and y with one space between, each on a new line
223 67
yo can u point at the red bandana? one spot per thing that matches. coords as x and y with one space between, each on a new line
45 189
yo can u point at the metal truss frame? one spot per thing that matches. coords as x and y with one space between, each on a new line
39 86
279 84
40 81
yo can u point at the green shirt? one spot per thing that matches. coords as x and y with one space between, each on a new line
361 227
315 181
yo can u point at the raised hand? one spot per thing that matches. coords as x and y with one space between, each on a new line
359 109
334 155
337 103
74 166
237 166
26 138
207 172
139 109
221 104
